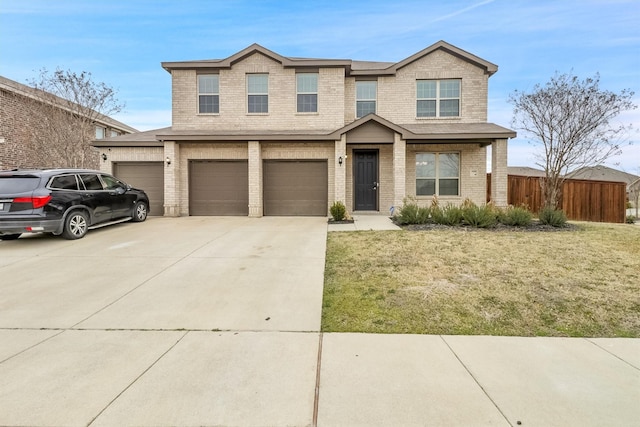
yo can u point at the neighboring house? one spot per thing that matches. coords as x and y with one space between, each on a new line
525 171
603 173
258 133
21 124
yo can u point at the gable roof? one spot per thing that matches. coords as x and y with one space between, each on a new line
352 67
602 173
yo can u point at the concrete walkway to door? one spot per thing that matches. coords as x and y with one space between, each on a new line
216 322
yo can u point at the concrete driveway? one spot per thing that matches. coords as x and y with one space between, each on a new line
216 322
175 314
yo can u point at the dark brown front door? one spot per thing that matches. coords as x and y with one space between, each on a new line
365 171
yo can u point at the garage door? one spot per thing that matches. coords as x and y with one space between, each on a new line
148 176
218 187
298 187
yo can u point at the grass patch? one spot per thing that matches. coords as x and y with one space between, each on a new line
570 283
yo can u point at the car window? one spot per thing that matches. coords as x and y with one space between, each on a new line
64 182
111 183
91 182
12 184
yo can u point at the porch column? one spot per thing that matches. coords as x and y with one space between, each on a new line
499 172
399 171
340 180
255 178
171 178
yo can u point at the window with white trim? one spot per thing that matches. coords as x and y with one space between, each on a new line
437 174
438 98
307 92
257 93
208 94
100 132
365 97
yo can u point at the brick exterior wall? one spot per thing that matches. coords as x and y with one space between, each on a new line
396 102
22 133
282 113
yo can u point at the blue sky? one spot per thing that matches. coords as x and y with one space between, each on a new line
123 42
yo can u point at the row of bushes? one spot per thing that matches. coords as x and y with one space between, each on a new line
470 214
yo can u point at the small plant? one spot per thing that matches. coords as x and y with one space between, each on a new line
478 216
518 216
411 213
552 217
630 219
338 211
447 215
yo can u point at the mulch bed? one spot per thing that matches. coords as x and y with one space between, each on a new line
535 226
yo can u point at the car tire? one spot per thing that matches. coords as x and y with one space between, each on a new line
140 211
9 236
76 225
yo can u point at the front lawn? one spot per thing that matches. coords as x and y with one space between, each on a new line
584 282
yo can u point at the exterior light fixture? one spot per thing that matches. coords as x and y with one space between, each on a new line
168 160
104 157
340 160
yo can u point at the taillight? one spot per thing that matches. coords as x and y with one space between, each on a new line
36 202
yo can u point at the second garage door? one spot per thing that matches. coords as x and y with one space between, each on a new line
295 187
147 176
218 187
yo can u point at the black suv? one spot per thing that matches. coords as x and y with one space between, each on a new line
65 201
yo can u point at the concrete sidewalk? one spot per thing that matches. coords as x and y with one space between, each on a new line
216 322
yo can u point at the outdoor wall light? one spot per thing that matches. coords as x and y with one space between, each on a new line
168 160
104 157
340 160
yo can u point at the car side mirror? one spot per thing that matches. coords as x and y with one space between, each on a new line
121 190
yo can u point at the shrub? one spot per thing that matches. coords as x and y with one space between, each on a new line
479 216
552 217
630 219
447 215
518 216
411 213
338 211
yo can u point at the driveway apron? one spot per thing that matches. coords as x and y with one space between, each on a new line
174 321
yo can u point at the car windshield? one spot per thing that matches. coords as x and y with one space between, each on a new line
18 184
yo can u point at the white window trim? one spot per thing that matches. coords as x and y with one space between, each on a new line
437 177
206 93
365 100
309 93
256 93
438 99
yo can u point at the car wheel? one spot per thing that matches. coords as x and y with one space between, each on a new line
9 236
75 225
140 212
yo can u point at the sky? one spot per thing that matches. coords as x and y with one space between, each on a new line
123 42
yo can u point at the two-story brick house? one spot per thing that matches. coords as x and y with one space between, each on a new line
258 133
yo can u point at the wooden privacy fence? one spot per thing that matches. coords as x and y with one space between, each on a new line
582 200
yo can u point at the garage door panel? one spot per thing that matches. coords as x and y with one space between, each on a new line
218 187
298 188
147 176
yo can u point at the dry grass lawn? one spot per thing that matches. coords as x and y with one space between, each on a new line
478 282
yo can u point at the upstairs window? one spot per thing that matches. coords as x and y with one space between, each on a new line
307 92
365 98
438 98
437 174
258 93
208 94
100 132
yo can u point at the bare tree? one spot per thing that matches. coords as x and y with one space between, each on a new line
571 119
67 106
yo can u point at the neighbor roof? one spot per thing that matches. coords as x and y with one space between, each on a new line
36 94
602 173
353 68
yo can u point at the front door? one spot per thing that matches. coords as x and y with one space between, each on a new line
366 180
